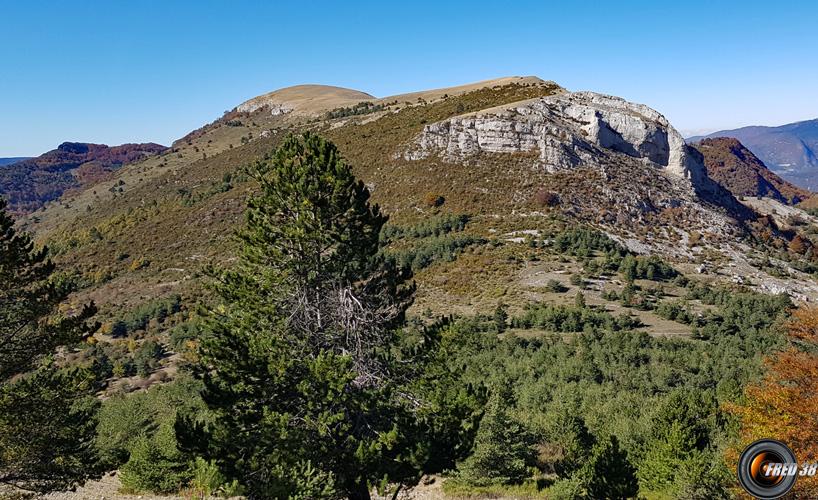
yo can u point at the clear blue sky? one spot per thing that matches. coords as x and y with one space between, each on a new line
127 71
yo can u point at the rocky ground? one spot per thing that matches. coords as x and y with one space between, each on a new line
108 488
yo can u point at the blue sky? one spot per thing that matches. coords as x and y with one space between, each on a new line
133 71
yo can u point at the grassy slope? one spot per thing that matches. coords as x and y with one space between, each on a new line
146 241
175 213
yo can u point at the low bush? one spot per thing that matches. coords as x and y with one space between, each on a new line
555 286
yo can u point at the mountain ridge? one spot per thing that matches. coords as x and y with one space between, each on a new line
312 99
151 228
735 167
789 150
30 183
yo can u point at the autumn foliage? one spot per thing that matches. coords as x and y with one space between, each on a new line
799 244
29 184
784 404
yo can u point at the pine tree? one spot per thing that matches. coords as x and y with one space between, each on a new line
155 464
568 432
29 295
679 436
298 360
628 268
608 473
500 318
579 300
47 415
503 448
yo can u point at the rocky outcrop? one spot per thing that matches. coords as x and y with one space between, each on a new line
276 108
569 130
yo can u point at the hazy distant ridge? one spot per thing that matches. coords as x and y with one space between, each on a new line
12 160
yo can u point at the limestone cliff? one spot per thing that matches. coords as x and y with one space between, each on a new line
569 130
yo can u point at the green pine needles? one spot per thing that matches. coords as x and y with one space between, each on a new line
47 414
299 359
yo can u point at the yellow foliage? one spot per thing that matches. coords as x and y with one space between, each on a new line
139 263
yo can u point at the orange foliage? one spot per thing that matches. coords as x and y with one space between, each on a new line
799 245
784 404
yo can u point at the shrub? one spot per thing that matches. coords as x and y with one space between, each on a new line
123 368
555 286
124 418
116 328
569 488
155 464
139 263
207 480
433 200
545 198
147 357
179 335
303 481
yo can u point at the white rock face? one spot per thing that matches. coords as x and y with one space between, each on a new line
276 108
568 130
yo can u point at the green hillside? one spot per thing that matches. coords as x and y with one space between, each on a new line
546 301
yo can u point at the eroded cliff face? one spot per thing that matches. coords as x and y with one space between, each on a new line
569 130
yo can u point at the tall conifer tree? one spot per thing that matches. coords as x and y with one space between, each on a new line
47 415
299 359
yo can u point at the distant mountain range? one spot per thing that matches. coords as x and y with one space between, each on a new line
790 151
32 182
10 161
